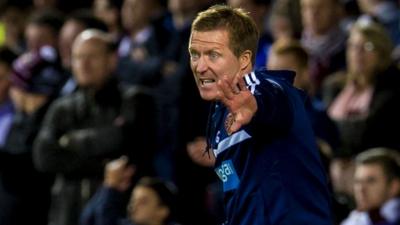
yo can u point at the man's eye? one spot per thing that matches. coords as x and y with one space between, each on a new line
214 55
194 56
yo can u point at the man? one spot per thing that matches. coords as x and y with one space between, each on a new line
376 188
258 130
98 122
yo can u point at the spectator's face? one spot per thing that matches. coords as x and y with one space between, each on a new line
371 186
14 22
106 13
136 14
69 32
280 27
25 101
289 62
319 16
362 57
211 60
145 208
38 36
92 64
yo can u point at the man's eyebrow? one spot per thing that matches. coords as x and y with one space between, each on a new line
192 49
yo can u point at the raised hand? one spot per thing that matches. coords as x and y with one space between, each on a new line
118 174
239 100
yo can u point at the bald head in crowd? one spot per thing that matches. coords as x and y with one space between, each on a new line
93 59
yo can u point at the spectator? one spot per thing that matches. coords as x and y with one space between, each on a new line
376 188
140 50
36 79
76 22
152 200
100 121
290 55
323 39
285 20
13 16
109 11
366 108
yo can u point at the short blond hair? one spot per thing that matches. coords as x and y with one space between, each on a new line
242 30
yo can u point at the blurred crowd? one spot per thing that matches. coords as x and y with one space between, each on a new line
100 118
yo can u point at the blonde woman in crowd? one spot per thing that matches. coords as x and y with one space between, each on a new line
366 107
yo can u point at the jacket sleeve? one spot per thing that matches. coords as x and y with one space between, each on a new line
50 154
59 149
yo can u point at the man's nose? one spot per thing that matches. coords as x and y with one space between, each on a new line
202 65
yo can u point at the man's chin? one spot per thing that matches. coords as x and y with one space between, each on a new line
207 96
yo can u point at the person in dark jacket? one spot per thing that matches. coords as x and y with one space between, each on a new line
100 121
35 80
152 201
258 131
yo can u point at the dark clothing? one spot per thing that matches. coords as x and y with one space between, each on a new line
145 70
107 207
6 116
270 168
324 128
376 128
327 55
183 118
84 130
24 191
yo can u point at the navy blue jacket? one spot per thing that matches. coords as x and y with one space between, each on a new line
271 169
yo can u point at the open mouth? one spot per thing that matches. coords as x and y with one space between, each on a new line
206 81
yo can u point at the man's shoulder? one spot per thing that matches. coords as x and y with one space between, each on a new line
67 101
276 75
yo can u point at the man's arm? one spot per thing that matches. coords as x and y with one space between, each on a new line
56 150
107 207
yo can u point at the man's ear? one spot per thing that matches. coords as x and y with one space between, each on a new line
245 60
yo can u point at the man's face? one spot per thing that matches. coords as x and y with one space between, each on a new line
371 187
92 64
144 206
211 59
